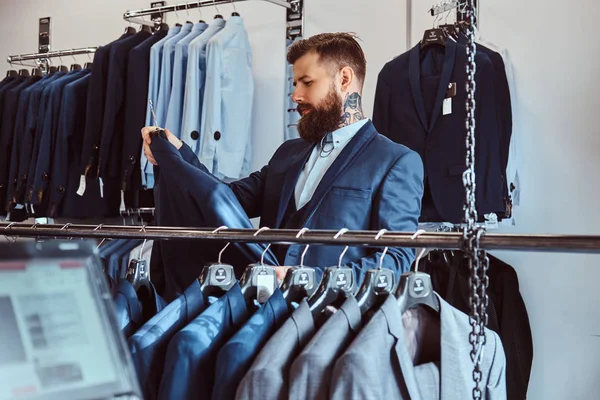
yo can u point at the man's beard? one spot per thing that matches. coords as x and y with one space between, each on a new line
320 120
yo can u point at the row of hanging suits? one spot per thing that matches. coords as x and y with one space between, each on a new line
224 338
420 101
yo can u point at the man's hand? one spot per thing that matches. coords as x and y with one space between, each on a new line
280 272
148 140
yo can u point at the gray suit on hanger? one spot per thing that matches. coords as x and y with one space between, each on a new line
377 364
310 375
268 378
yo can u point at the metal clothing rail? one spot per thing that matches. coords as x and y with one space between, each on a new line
295 19
437 240
51 54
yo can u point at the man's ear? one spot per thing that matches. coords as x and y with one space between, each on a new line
347 77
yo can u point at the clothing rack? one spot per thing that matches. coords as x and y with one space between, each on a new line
444 7
52 54
437 240
295 13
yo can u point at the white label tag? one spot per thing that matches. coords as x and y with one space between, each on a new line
101 187
447 107
32 209
122 208
81 189
264 285
19 207
491 221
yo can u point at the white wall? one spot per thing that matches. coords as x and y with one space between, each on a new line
556 59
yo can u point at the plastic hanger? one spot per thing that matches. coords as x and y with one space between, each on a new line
75 66
415 288
199 8
217 278
36 72
338 283
259 280
137 270
377 284
434 36
300 281
24 72
11 73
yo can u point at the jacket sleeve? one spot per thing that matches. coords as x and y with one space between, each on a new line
381 106
496 386
396 207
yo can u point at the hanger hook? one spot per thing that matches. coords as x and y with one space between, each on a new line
66 228
103 239
300 234
416 235
233 4
337 236
262 257
199 9
14 240
216 8
144 242
377 237
226 246
187 9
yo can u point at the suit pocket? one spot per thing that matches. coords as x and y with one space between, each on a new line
350 192
345 208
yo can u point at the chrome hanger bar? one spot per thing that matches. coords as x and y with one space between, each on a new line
189 6
51 54
441 240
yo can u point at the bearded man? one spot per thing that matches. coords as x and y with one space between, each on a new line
341 173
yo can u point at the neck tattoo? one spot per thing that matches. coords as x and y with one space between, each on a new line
352 111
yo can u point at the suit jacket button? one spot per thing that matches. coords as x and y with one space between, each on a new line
1 186
195 135
131 159
96 148
61 189
217 135
45 176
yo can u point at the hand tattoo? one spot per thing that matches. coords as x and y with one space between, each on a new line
352 111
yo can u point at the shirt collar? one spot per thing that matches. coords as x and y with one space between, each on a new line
344 134
201 26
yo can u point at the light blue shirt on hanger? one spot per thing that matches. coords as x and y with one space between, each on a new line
156 52
166 73
322 157
194 90
225 147
175 109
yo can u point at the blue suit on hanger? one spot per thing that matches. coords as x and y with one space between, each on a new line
187 196
237 355
133 308
192 354
149 344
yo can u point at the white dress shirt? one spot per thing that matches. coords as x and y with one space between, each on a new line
321 158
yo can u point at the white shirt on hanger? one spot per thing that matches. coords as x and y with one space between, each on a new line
317 165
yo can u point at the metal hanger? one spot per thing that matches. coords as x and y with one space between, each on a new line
415 288
338 283
75 66
259 280
137 271
377 283
103 239
13 238
300 281
218 15
234 13
434 36
200 12
217 278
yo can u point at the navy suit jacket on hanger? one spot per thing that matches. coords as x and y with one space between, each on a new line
402 101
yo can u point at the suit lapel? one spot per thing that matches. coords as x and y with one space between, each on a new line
414 73
350 153
290 179
450 56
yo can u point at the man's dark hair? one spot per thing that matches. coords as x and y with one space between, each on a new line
338 49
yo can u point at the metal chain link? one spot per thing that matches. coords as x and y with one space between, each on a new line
477 259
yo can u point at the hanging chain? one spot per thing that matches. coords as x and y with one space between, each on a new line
477 259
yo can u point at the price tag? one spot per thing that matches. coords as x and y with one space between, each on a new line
81 189
265 285
447 107
122 207
101 187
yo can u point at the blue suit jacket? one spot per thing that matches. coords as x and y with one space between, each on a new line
133 308
191 357
187 196
407 90
373 184
237 355
149 344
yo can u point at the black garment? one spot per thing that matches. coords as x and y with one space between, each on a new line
506 311
9 111
409 99
111 143
95 108
136 101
